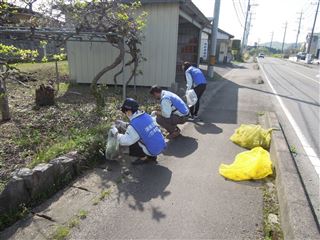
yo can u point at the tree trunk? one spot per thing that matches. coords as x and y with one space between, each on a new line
57 78
133 75
106 69
4 104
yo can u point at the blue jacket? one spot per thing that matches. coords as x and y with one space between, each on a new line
197 75
150 134
176 101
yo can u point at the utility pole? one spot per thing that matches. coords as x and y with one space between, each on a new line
271 40
245 27
314 24
284 36
214 36
248 30
298 30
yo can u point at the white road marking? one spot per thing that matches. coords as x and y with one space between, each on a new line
314 159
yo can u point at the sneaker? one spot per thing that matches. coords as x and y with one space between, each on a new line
145 160
174 134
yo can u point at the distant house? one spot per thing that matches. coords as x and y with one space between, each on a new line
172 36
224 45
315 44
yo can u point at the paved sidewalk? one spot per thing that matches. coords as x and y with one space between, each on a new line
183 196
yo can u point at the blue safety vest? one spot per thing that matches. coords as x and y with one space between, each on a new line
150 134
197 75
176 101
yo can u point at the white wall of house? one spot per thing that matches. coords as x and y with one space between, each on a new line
159 47
222 48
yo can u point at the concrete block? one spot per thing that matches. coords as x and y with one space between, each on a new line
43 179
14 194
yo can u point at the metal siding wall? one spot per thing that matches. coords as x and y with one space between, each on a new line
159 47
71 61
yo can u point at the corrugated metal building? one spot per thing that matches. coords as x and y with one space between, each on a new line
172 35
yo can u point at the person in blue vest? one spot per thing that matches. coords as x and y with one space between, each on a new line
142 135
197 81
174 111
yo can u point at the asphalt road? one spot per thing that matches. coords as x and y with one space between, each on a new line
295 92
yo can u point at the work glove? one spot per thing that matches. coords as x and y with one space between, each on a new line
121 124
114 131
153 114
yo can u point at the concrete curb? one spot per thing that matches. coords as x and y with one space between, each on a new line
297 219
28 185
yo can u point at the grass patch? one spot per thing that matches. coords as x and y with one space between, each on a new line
74 222
61 233
2 185
83 214
259 114
63 87
276 55
293 150
48 66
89 141
103 195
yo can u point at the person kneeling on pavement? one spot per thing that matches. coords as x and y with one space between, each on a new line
174 111
142 135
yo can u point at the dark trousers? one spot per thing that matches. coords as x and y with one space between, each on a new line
170 124
199 90
136 151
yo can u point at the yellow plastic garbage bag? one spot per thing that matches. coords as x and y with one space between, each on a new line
250 136
253 164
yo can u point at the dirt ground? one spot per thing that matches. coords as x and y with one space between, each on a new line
33 130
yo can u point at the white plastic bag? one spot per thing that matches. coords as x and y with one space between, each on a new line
112 148
191 97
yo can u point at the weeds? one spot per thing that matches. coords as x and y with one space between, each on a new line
103 194
271 206
89 142
73 223
293 150
13 216
82 214
61 233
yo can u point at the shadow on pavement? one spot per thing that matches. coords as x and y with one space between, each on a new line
149 181
137 185
181 147
207 128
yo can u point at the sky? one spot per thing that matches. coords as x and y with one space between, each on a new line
268 16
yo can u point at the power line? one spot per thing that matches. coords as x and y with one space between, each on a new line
241 8
234 6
